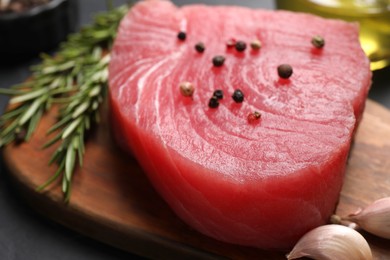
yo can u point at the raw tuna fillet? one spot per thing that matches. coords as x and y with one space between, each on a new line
259 182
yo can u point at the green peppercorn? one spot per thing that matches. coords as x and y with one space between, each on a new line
285 71
257 114
256 45
318 41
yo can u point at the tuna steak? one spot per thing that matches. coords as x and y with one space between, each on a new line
252 181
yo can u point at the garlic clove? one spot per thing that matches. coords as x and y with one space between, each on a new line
331 242
374 219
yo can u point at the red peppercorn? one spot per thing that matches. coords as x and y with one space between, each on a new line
254 117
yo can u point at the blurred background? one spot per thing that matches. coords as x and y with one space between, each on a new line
27 235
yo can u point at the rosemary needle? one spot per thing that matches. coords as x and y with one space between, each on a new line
76 80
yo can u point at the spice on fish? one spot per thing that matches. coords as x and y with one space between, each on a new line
254 117
213 102
238 96
187 89
285 71
240 46
218 60
318 41
256 45
218 94
231 43
200 47
182 35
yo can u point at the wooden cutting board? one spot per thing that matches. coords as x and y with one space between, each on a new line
112 200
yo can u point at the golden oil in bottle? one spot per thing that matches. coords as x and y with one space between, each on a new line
373 16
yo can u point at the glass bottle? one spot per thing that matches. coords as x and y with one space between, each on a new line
373 16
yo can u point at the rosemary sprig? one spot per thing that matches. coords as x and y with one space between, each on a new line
75 79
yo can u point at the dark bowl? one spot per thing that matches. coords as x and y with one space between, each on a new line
39 29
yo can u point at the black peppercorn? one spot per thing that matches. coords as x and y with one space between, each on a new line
213 102
240 46
285 71
218 94
218 60
238 96
199 47
181 35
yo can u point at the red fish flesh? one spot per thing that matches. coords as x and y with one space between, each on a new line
259 169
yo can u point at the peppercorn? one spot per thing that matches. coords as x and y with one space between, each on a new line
186 89
254 117
285 71
213 102
218 60
218 94
318 41
199 47
240 46
238 96
182 35
256 45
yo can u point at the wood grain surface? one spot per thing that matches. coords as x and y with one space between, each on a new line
112 200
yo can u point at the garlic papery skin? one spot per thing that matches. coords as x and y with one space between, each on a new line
330 242
374 219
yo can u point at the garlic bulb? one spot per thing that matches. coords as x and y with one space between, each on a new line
331 242
374 219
